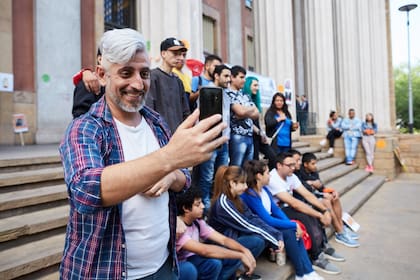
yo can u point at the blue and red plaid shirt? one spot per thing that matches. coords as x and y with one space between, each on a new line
95 242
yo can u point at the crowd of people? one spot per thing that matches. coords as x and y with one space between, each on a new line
137 211
352 129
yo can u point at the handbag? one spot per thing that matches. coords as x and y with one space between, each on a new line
307 242
270 140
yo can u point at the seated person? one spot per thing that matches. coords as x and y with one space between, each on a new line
283 183
229 215
309 177
210 261
334 131
261 202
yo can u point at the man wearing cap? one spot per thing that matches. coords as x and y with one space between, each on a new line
166 94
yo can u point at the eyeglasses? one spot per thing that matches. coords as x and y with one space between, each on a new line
290 165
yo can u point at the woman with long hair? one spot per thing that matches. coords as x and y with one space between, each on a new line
260 200
278 118
251 88
369 129
230 216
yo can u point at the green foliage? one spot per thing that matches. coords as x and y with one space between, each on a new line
401 94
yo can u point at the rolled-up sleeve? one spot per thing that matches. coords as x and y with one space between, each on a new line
83 165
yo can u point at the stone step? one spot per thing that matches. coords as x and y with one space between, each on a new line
299 144
322 155
328 163
24 164
310 149
34 222
28 258
271 271
31 176
27 197
49 273
335 172
348 181
357 196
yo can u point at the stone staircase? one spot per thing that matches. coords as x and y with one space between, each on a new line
34 210
33 216
354 185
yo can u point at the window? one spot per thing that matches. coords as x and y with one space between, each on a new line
250 53
119 14
248 4
209 35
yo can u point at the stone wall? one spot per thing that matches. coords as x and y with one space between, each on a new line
410 152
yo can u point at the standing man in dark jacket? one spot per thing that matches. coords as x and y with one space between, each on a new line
166 94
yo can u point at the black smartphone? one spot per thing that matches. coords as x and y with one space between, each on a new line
210 102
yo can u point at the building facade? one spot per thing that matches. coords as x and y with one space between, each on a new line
336 52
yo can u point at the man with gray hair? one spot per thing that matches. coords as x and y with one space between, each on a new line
122 171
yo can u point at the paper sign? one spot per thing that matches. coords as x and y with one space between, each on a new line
19 123
350 222
6 82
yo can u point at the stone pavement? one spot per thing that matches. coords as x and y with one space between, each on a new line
390 231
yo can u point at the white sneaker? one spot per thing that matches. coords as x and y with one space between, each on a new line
313 276
299 278
330 151
323 142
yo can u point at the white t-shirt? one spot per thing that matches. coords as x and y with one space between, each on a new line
277 184
145 220
266 202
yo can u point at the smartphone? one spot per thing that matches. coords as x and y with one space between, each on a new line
210 102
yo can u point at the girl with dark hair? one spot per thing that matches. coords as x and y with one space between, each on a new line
230 216
278 122
369 129
251 88
261 202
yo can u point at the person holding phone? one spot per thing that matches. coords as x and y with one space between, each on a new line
206 170
122 168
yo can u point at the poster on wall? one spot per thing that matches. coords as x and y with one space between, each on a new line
19 123
288 91
6 82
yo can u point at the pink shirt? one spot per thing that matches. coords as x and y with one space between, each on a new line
192 233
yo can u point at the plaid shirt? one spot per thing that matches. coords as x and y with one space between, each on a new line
95 242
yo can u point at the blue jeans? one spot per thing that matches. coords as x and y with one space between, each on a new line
350 146
208 169
282 149
241 149
187 271
253 243
296 252
214 269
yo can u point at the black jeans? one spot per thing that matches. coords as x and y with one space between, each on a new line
332 135
313 227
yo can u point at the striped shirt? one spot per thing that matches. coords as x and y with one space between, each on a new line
95 243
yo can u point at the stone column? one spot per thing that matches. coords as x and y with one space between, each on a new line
57 55
234 32
320 60
274 43
362 55
159 19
